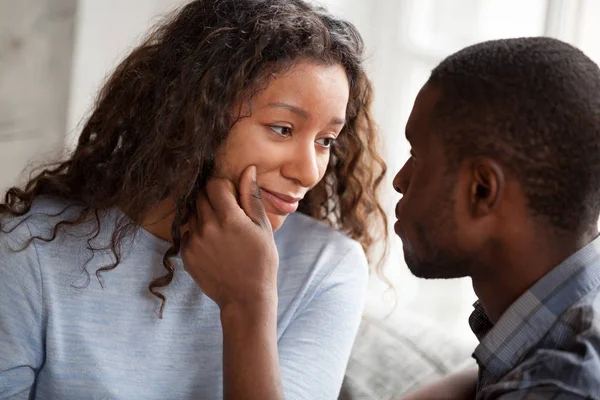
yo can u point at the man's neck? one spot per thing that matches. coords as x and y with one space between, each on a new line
516 267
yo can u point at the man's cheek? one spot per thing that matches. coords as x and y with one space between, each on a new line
406 222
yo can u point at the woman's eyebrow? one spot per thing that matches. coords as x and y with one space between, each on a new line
337 121
303 113
296 110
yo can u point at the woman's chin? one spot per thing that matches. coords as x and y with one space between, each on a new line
276 220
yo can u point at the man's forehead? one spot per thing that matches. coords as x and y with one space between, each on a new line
422 112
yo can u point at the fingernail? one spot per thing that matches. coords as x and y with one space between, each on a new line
253 173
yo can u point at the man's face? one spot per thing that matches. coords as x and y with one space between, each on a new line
428 221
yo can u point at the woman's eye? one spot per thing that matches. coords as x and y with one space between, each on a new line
326 142
283 131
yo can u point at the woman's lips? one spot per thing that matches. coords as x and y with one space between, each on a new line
282 204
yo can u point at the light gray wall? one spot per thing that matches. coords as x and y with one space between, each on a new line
36 45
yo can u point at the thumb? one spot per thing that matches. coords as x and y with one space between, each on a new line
251 198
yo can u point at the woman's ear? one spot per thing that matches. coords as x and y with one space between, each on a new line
486 187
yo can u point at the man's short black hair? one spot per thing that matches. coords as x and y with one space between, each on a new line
532 104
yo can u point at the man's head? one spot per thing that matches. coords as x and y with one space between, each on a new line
505 142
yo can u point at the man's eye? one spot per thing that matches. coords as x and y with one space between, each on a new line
326 142
283 131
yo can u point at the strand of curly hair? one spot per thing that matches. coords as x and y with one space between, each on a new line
163 113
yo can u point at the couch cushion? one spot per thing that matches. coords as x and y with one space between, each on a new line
394 356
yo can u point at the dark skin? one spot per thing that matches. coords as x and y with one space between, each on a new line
471 220
243 283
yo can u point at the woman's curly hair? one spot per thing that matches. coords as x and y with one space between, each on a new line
163 113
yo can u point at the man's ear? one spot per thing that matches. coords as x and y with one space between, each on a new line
486 187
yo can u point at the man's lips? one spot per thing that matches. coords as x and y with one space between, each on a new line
282 203
398 228
398 225
397 209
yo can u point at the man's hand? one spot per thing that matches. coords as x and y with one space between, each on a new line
460 385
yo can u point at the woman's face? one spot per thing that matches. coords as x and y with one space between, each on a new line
288 135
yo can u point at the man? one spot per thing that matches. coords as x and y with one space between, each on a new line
503 186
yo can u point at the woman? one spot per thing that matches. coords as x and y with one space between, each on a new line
267 98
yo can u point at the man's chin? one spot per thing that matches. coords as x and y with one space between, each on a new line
419 268
416 268
432 269
420 272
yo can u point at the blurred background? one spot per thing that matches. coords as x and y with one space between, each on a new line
55 54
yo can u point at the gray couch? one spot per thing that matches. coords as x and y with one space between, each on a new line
395 355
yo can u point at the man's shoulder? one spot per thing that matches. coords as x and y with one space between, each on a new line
577 330
572 373
566 362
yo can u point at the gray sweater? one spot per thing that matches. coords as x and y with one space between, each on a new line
64 338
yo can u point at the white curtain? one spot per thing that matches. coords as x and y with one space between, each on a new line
406 39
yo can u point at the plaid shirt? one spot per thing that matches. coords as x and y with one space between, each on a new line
547 343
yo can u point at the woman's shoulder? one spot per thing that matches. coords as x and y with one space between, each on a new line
303 239
44 213
20 253
307 231
317 261
45 208
57 227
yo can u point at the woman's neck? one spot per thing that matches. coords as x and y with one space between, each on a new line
159 220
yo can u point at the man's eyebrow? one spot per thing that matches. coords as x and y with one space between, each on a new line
304 114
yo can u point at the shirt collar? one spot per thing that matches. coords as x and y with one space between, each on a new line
530 318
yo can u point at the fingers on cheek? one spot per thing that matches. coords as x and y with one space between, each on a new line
210 189
197 243
191 247
228 221
210 230
204 207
